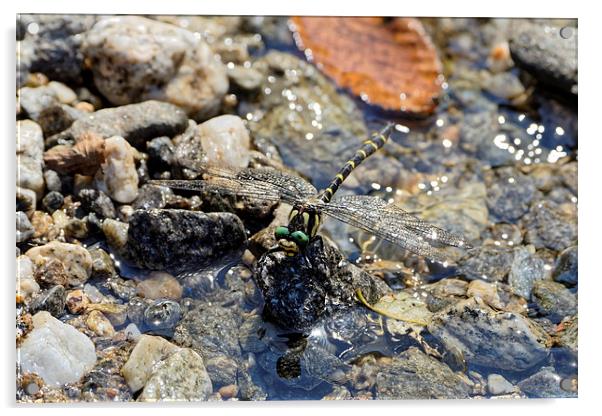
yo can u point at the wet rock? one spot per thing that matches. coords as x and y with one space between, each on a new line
160 154
75 259
553 300
250 334
116 313
509 197
544 384
487 292
24 228
567 334
497 384
57 352
551 225
77 228
542 50
526 269
99 324
97 202
174 239
487 262
102 264
160 285
225 141
312 288
504 85
117 175
211 330
222 370
161 317
415 375
116 233
228 392
26 284
55 46
505 235
135 59
181 376
51 301
500 340
152 196
148 352
76 301
52 201
136 123
331 125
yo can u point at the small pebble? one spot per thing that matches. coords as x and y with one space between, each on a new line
52 201
77 301
98 323
160 285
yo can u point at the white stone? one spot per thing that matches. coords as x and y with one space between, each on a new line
55 351
118 177
76 260
62 92
26 284
225 140
497 384
148 352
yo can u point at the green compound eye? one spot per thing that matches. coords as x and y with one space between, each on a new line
300 237
281 232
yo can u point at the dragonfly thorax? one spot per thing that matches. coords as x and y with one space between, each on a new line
303 224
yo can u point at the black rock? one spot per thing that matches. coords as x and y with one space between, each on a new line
549 53
56 118
299 290
136 123
51 300
553 300
97 202
160 154
488 262
173 239
551 225
566 270
52 201
152 196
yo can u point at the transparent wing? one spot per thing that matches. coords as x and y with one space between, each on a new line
263 184
393 224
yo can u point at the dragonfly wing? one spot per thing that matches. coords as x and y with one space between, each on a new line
262 184
391 223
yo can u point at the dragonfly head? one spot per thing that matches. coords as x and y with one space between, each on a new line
303 224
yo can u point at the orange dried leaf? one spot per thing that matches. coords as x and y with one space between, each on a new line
392 64
84 157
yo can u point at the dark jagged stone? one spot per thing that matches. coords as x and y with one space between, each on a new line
136 123
175 239
566 271
152 196
97 202
51 300
301 289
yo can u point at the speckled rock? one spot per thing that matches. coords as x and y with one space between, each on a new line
159 285
75 259
117 176
116 233
76 301
174 239
102 263
544 384
415 375
505 85
147 353
509 197
500 340
99 324
568 331
225 141
541 49
57 352
137 123
52 201
24 228
485 291
553 300
527 268
161 317
551 225
152 196
135 59
222 370
180 377
97 202
30 148
160 153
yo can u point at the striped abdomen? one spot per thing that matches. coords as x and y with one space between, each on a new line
368 147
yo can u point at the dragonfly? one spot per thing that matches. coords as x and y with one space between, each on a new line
369 213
